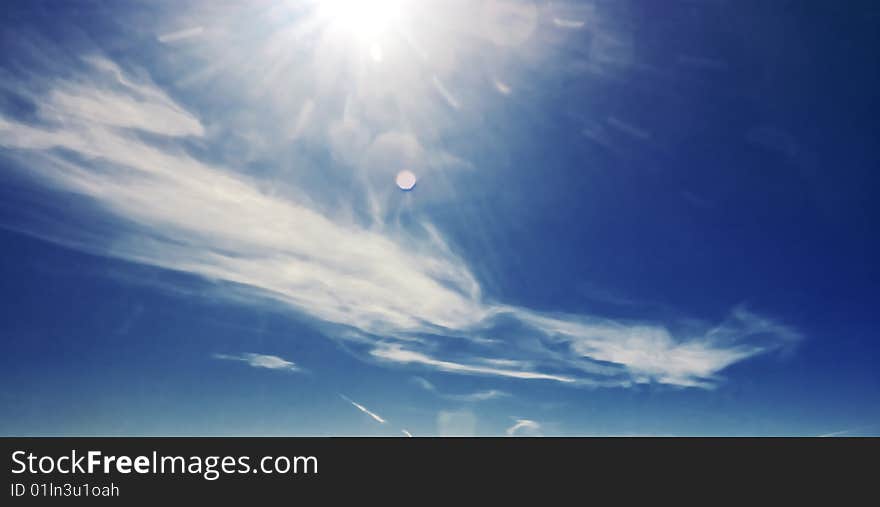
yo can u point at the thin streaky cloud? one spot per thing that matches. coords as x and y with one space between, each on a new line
489 394
486 395
846 432
186 33
568 23
261 361
502 87
835 434
406 433
396 353
363 409
424 384
526 426
444 92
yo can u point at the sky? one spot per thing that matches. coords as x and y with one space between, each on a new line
437 218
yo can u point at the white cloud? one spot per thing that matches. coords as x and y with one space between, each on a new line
216 224
406 433
568 23
486 395
489 394
524 427
502 87
397 353
399 293
444 92
364 409
649 352
461 423
121 102
261 361
186 33
848 432
424 384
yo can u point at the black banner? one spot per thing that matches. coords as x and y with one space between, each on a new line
377 470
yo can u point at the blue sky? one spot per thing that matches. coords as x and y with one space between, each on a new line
630 218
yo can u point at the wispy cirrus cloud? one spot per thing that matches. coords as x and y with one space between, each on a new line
488 394
851 432
400 354
261 361
462 423
568 23
185 33
650 352
476 396
364 409
124 145
524 427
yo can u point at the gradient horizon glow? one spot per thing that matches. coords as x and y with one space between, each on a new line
420 218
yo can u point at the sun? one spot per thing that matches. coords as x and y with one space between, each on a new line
366 20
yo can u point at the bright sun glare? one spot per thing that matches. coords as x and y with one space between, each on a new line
364 19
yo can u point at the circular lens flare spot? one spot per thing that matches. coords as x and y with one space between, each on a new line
405 180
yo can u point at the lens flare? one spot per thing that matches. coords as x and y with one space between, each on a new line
405 180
